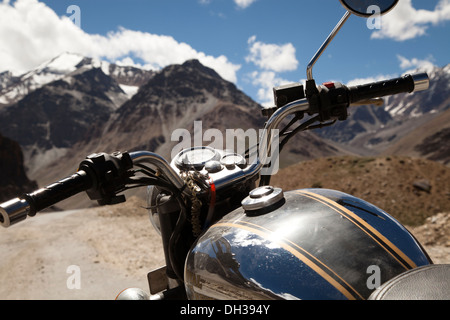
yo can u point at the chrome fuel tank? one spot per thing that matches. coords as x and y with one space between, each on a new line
313 244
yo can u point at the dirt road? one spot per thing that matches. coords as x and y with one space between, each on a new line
110 252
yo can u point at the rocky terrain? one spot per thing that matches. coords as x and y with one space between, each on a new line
410 189
434 235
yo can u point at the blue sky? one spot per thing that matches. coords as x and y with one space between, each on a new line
257 44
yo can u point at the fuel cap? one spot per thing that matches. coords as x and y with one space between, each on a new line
262 197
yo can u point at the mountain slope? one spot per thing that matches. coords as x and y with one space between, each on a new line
429 140
372 130
13 177
14 88
188 97
51 119
62 121
433 100
174 99
392 183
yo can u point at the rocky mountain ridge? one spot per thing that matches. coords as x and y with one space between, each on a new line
85 106
15 87
86 110
373 130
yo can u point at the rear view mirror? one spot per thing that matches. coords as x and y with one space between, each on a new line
363 8
366 8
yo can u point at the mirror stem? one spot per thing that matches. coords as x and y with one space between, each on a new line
325 44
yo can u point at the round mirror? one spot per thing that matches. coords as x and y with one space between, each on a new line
367 8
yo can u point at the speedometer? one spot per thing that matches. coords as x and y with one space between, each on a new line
195 158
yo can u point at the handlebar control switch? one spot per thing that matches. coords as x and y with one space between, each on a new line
109 173
330 102
288 93
283 95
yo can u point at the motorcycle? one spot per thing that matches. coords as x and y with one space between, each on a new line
228 234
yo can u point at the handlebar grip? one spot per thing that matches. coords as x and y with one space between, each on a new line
58 191
408 83
18 209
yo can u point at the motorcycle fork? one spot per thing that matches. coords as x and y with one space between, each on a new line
169 212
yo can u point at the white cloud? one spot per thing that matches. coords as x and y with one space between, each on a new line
266 81
31 32
361 81
244 3
411 65
241 4
405 22
407 65
272 57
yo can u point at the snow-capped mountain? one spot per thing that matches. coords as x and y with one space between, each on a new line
13 88
372 129
62 121
49 120
48 109
433 100
6 79
72 106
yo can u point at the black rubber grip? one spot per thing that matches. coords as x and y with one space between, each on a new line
58 191
381 88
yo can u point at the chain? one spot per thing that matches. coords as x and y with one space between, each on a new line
196 203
